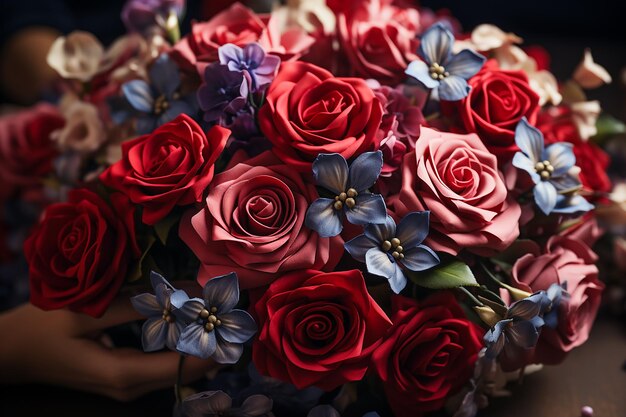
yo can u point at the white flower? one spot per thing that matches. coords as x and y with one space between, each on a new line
76 56
590 75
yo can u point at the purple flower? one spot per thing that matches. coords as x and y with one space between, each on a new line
252 59
552 169
350 188
386 249
216 329
223 92
164 324
139 15
160 101
441 69
218 404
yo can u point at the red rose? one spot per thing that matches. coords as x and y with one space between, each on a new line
565 260
240 26
379 39
496 103
26 150
557 125
319 329
428 354
308 112
171 166
79 254
457 179
253 223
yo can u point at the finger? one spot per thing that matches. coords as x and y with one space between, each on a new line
120 311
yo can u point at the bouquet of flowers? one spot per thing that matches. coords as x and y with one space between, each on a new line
384 215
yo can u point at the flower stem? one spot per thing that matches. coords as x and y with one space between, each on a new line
471 296
179 380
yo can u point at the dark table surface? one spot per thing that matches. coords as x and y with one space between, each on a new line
592 375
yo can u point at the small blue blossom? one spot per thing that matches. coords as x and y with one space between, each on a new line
165 323
386 249
350 187
160 101
216 329
552 170
222 92
519 328
442 70
252 59
556 294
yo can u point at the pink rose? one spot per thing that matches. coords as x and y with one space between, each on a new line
240 26
379 39
252 223
457 179
570 261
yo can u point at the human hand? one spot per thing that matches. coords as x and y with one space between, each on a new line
62 348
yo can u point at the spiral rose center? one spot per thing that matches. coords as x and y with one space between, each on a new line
209 319
438 72
544 169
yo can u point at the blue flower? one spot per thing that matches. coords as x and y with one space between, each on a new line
252 59
164 324
552 169
386 249
159 102
222 92
350 187
216 330
519 328
555 293
441 69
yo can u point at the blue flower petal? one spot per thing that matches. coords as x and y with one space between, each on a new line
173 334
237 326
178 298
154 334
196 341
146 124
164 75
322 217
139 95
369 208
525 309
146 304
231 55
222 292
561 156
175 108
495 340
545 196
453 88
364 171
436 44
156 279
465 64
523 162
227 353
381 232
419 258
530 140
421 72
413 229
522 334
253 54
330 171
191 309
359 246
572 204
378 263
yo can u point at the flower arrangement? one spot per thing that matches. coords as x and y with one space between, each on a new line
386 215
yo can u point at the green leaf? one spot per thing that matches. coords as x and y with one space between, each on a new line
136 271
163 228
608 126
450 275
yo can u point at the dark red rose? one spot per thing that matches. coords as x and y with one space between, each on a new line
26 150
79 254
308 111
428 354
557 125
319 329
171 166
494 106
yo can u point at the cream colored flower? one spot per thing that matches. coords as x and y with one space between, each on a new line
310 15
76 56
590 75
489 37
585 115
83 131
